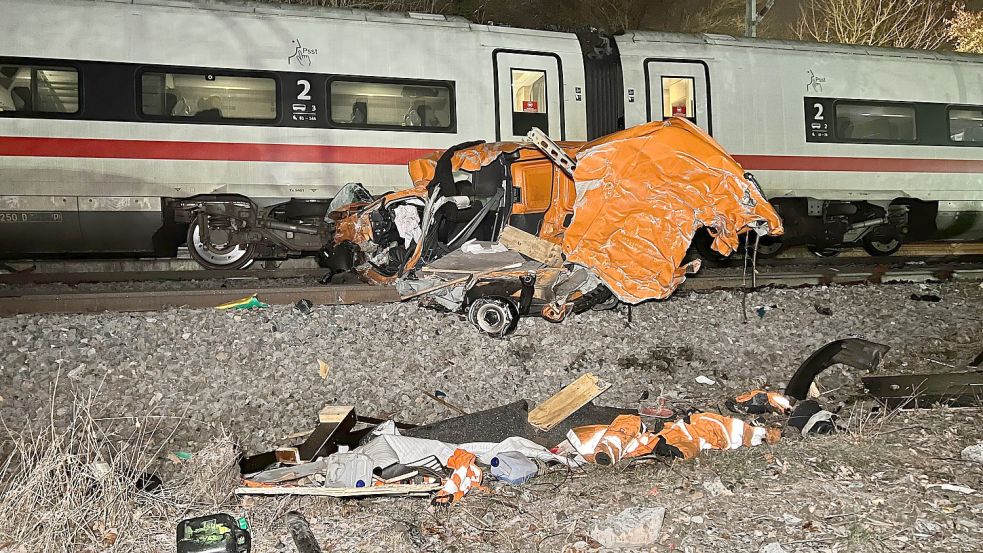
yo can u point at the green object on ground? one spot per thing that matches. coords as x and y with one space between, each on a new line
245 303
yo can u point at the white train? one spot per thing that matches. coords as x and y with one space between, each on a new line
111 111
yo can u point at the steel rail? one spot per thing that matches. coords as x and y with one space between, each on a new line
138 270
85 277
13 303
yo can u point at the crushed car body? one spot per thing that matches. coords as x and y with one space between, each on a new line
501 230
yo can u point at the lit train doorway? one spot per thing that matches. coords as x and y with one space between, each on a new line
677 88
528 92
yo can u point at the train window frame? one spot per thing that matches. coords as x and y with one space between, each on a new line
546 100
204 72
948 115
694 99
54 65
875 103
451 87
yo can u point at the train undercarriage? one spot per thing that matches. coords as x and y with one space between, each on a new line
230 232
827 227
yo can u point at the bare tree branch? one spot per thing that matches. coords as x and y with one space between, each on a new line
892 23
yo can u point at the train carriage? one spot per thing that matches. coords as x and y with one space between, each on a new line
110 112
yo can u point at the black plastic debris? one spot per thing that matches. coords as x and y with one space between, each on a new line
916 391
808 417
926 297
823 310
300 531
854 352
499 423
304 306
216 533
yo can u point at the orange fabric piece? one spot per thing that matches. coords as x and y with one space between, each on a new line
642 194
778 402
714 431
465 475
607 444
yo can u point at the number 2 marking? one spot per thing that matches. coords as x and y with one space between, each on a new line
306 86
819 111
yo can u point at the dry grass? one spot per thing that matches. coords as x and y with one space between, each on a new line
71 483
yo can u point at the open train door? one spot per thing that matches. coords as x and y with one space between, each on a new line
528 93
680 88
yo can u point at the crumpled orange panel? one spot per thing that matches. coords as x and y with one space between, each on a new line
642 194
468 159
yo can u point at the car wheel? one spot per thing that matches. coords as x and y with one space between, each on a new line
493 316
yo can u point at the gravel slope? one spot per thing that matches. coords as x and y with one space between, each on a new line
255 372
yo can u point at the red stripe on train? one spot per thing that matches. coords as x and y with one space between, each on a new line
369 155
205 151
859 164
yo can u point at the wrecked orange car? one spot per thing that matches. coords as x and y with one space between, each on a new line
506 229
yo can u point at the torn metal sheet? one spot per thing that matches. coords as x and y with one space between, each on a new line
642 194
917 391
621 224
854 352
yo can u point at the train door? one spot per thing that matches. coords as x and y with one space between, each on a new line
678 88
528 93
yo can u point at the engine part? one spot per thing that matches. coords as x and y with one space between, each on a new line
496 317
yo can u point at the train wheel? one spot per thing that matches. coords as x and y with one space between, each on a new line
702 242
226 257
876 247
768 246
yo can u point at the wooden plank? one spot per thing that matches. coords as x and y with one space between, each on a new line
387 489
531 246
562 404
334 414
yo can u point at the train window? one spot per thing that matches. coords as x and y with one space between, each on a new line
872 122
32 89
966 125
529 101
679 97
207 97
391 104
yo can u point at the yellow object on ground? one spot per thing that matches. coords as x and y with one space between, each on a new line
245 303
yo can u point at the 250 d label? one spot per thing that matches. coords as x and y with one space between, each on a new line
29 217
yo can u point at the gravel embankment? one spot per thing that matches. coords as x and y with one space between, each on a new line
255 372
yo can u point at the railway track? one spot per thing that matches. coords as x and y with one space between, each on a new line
73 272
14 302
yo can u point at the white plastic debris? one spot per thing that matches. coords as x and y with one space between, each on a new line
973 453
474 247
952 488
704 380
407 220
633 527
